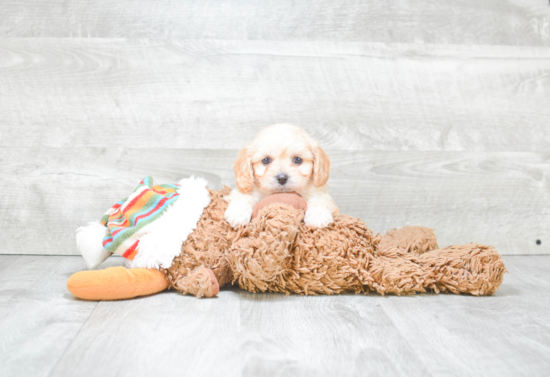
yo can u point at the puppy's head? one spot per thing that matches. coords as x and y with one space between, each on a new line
281 158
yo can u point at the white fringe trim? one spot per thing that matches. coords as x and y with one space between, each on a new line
162 243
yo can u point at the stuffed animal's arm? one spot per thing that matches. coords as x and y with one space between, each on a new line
261 254
199 282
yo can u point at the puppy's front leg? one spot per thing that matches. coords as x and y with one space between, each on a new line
240 208
320 209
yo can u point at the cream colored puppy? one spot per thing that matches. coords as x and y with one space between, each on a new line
282 158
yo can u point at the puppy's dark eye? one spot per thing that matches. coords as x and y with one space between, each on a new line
266 161
297 160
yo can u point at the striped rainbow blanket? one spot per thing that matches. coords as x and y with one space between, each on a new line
128 219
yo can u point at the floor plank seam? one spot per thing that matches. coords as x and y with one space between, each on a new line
72 340
406 340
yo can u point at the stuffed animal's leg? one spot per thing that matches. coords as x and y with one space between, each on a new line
199 282
392 270
116 283
409 239
397 275
474 269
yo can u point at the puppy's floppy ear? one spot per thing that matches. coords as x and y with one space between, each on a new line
244 175
321 166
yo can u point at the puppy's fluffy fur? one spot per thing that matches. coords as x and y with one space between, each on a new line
282 158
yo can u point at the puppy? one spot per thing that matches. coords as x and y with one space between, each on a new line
282 158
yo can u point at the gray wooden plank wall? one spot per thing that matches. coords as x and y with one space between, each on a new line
434 113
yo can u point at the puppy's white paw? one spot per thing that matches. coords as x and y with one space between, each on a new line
238 213
318 217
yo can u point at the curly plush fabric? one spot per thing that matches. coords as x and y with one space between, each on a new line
333 259
207 244
409 239
198 282
408 261
261 255
277 252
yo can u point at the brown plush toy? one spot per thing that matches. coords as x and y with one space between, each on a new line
278 252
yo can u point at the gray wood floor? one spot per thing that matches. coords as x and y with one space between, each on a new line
44 331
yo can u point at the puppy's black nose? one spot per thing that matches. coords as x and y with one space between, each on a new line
282 178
